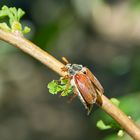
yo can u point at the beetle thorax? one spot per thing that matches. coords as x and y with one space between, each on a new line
74 68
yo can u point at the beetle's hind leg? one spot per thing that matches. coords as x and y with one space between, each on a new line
99 98
90 106
86 105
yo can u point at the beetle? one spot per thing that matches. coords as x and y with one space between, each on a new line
86 86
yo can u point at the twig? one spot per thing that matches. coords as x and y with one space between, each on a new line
126 123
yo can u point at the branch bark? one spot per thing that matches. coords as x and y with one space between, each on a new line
28 47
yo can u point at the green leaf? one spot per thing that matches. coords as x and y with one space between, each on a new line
20 13
63 80
67 92
120 133
14 16
115 101
57 86
101 125
26 30
53 87
3 13
4 26
7 11
5 8
13 12
16 26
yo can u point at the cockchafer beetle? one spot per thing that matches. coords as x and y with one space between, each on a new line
86 86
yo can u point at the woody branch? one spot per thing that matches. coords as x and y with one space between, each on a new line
28 47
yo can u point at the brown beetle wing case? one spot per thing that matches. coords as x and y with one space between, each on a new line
86 88
94 80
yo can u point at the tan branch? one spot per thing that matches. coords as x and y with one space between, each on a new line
48 60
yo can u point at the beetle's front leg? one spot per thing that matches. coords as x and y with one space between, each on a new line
67 85
64 69
73 96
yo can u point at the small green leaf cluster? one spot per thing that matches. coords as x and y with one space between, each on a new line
112 125
129 103
14 15
60 86
102 126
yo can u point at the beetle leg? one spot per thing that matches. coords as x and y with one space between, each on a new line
65 60
66 77
77 92
64 69
90 106
99 98
94 81
67 87
73 96
86 105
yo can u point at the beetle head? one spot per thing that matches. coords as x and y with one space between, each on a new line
74 68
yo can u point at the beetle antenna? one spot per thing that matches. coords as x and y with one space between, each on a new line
65 60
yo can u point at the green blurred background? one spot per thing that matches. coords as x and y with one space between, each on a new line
102 35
